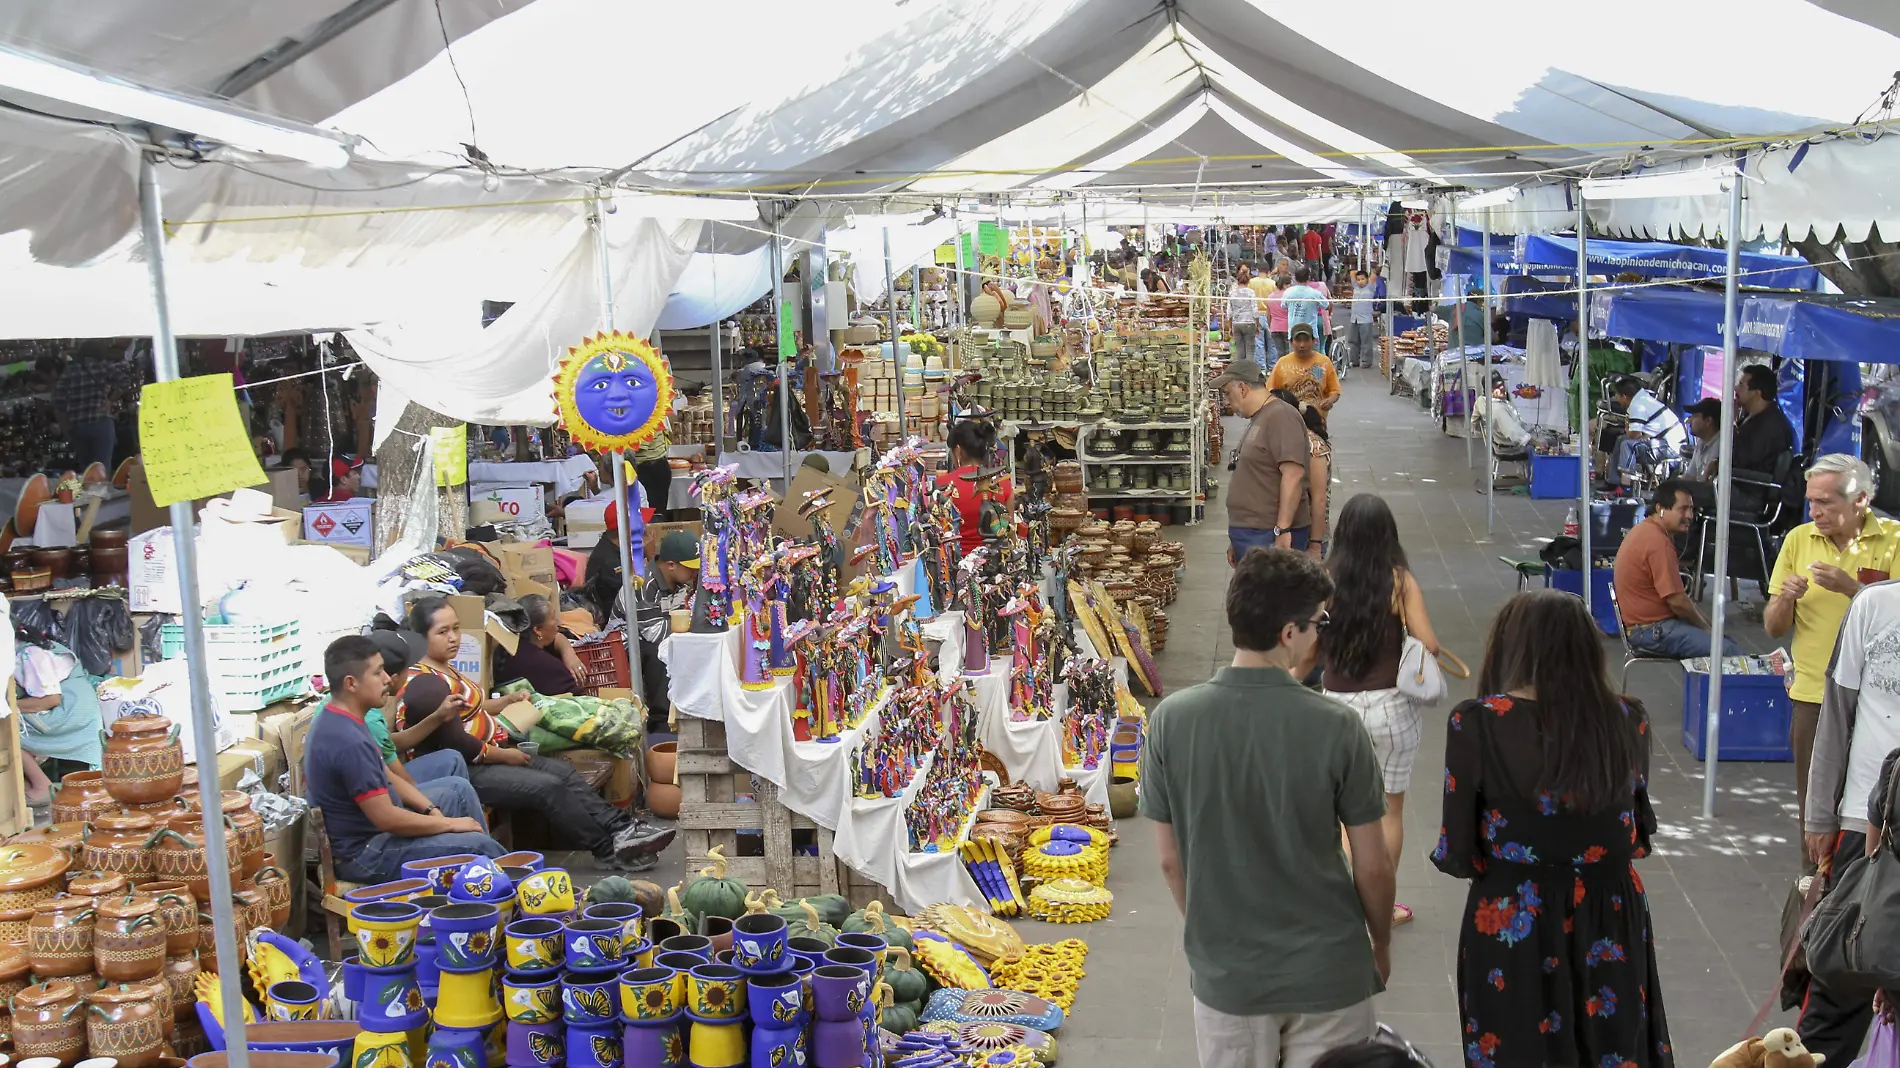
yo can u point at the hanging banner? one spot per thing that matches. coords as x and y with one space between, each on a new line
968 253
193 440
946 253
787 332
612 391
991 239
450 446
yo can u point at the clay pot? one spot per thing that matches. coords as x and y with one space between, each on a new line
97 884
181 978
240 817
128 943
178 910
13 924
14 965
178 853
59 938
160 811
143 760
58 561
82 796
663 762
252 903
47 1022
65 837
664 799
208 939
1123 797
109 565
117 843
123 1023
162 1001
275 884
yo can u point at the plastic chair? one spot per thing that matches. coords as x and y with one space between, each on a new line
1630 656
1759 526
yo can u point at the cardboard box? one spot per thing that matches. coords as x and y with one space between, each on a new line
247 756
656 531
476 658
281 486
586 521
522 560
348 522
292 736
844 493
150 571
507 504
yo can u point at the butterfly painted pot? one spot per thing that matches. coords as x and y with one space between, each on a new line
776 1000
465 935
535 944
589 999
594 1046
778 1047
839 991
630 914
455 1047
758 942
548 892
531 998
532 1044
593 945
439 871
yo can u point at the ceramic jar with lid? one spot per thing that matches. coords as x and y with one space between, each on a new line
14 966
240 817
161 992
47 1022
128 940
82 796
59 937
251 903
178 853
65 837
178 910
122 1022
181 976
117 843
143 760
29 874
13 924
275 884
97 884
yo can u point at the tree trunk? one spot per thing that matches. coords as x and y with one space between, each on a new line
1869 268
398 464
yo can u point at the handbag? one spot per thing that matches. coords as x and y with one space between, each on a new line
1421 675
1850 937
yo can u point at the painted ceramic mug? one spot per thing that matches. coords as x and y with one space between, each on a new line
535 945
593 945
715 992
531 999
288 1001
649 994
758 941
546 893
385 933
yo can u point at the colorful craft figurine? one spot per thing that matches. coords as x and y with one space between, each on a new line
1090 717
713 602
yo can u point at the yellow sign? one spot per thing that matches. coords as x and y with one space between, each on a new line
193 441
450 445
946 253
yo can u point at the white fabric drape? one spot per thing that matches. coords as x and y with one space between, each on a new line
713 287
501 374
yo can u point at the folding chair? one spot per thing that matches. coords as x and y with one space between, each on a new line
1630 656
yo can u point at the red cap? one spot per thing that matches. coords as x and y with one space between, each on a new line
611 516
341 466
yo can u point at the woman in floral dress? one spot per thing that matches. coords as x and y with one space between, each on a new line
1546 806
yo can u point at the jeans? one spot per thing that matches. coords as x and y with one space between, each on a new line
1288 1040
1244 335
443 778
1277 345
552 787
1676 638
1241 539
92 440
1362 340
657 684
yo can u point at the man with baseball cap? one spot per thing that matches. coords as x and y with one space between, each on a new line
1705 428
670 584
1267 503
346 478
1307 373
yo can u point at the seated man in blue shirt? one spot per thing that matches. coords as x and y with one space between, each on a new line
372 833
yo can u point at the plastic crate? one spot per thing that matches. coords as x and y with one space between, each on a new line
256 637
1601 579
251 666
1756 715
604 663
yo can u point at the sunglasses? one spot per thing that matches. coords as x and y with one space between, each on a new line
1319 622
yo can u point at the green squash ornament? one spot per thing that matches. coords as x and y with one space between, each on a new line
907 983
871 919
892 1017
833 907
613 888
713 894
811 925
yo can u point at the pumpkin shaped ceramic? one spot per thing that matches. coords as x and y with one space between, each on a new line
714 893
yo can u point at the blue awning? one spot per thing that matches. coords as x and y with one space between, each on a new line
1524 295
1679 316
1469 237
1469 260
1851 331
1661 259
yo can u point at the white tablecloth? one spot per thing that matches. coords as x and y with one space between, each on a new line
565 474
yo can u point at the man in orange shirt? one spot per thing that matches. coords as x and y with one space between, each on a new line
1660 618
1308 374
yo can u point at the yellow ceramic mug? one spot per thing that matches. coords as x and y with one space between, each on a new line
383 1049
385 933
648 994
535 945
467 1000
548 892
289 1001
716 992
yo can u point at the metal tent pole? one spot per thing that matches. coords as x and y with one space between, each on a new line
897 365
1490 428
718 374
1584 445
1724 486
785 363
1464 364
204 726
622 502
963 278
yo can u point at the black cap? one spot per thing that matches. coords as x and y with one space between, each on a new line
400 648
1707 407
1301 328
1244 371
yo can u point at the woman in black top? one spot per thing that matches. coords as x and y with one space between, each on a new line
1546 807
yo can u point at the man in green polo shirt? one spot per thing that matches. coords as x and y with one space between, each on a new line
1247 779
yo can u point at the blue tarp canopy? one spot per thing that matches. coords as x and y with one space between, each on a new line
1679 316
1474 239
1850 331
1524 295
1470 261
1661 259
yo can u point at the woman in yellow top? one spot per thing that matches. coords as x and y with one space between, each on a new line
1822 565
507 778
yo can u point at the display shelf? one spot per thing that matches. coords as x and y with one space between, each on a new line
1140 493
1139 458
1181 424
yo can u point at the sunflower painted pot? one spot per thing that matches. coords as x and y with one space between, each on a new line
465 935
381 1049
468 999
536 944
650 995
661 1045
715 992
392 1001
385 933
531 998
439 871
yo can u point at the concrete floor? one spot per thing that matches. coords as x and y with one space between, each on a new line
1715 887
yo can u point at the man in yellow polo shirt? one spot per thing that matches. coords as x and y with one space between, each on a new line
1822 566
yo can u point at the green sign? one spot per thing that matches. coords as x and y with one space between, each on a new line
991 239
787 343
968 261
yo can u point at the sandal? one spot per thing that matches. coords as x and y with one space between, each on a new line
1401 914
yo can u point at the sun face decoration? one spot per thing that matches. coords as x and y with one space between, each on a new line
612 392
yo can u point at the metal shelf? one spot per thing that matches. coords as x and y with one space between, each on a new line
1185 424
1137 458
1141 493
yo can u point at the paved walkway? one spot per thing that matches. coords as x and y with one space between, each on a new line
1715 888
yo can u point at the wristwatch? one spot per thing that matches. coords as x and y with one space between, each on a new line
1277 532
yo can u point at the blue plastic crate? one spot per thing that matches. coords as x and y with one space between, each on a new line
1600 607
1756 715
1555 477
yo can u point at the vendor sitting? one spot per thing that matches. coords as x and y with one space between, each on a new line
545 659
1658 617
670 585
506 777
1655 432
371 834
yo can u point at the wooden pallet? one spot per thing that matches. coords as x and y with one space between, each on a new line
710 816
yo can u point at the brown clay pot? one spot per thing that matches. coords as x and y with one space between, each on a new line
208 939
161 1000
178 853
160 811
13 925
82 796
65 837
181 977
277 890
123 1023
117 843
97 884
252 903
664 799
59 939
663 762
128 941
47 1022
14 966
143 760
178 909
240 817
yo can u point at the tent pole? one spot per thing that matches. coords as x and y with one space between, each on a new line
785 363
1724 487
1490 428
917 297
204 726
897 365
622 502
1584 445
718 374
1464 363
963 278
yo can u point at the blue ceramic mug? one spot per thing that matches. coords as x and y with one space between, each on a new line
590 999
758 942
594 1046
452 1047
465 935
593 945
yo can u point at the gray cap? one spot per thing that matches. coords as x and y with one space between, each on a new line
1244 371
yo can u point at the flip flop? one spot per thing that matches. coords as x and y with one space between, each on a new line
1401 914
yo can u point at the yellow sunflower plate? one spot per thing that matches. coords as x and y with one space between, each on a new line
949 963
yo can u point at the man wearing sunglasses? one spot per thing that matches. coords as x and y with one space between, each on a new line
1247 779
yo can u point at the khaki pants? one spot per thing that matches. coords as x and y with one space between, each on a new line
1292 1041
1801 738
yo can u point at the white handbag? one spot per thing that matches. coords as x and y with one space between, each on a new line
1422 675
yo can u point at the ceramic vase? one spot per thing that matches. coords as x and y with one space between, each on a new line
59 937
439 871
178 854
715 992
758 942
178 910
381 1049
117 843
838 1043
874 944
776 1000
862 959
128 941
547 892
143 761
650 995
290 1001
82 797
240 817
48 1022
631 916
839 992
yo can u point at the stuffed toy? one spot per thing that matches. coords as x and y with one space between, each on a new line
1779 1048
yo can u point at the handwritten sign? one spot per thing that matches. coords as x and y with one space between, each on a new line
946 253
991 239
787 343
968 252
449 444
193 441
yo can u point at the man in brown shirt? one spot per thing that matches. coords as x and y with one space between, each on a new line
1266 500
1660 617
